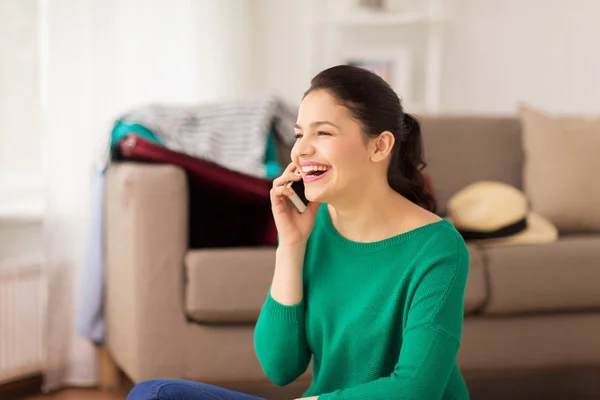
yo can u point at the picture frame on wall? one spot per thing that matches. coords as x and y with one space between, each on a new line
393 65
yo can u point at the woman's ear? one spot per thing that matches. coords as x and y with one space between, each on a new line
382 146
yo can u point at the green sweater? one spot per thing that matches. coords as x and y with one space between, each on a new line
381 320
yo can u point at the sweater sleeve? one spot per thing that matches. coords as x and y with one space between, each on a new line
430 338
280 341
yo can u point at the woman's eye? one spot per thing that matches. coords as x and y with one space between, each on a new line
321 133
298 136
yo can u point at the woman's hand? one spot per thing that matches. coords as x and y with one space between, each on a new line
293 227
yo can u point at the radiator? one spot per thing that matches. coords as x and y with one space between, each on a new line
23 293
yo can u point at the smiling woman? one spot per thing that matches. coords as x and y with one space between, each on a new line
369 282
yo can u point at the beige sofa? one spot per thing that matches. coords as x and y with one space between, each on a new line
177 312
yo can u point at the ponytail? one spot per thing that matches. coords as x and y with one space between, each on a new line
404 175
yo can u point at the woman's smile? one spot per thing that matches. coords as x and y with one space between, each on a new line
314 171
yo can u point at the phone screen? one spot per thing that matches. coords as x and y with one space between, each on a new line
298 187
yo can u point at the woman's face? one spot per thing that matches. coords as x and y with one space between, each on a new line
331 148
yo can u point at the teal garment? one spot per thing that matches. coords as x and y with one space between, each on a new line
380 320
122 129
272 167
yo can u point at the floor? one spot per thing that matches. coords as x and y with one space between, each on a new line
79 394
558 385
292 392
82 394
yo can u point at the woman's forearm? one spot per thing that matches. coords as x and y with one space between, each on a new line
287 287
279 333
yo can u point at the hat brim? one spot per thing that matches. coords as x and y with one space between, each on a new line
539 231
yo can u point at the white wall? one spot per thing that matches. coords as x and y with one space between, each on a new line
288 47
230 52
544 52
496 54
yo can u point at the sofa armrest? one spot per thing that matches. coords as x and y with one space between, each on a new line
146 240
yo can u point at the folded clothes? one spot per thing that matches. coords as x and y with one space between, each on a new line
238 135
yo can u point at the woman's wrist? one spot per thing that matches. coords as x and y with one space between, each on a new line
291 248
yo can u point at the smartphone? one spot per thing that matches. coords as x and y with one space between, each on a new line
298 198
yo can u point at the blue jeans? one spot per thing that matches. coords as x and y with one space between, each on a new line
178 389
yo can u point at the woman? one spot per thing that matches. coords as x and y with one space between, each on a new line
368 281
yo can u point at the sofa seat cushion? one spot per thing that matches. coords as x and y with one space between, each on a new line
561 276
227 285
476 290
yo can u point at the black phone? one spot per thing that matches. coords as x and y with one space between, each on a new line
298 199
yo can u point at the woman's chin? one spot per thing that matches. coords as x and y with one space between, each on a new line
315 196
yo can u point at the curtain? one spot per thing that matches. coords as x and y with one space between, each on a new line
67 99
100 59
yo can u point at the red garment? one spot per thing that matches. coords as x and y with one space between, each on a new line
227 208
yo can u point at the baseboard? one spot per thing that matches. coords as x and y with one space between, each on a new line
21 388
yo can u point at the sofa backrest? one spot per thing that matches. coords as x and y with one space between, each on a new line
463 150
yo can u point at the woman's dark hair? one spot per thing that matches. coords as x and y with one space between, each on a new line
375 105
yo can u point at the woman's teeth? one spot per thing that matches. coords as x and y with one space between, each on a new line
312 169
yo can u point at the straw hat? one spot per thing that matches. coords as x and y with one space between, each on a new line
494 213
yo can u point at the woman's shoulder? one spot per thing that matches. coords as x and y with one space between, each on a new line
441 236
420 218
444 237
433 227
445 247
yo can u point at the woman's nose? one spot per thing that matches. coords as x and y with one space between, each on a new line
303 147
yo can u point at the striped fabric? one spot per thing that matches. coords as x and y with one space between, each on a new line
230 133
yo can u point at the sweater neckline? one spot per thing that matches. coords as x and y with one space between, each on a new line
380 244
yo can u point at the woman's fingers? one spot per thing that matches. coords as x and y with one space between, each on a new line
291 167
288 175
283 191
278 195
280 191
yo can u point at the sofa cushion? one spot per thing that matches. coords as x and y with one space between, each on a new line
475 292
227 285
561 172
552 277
